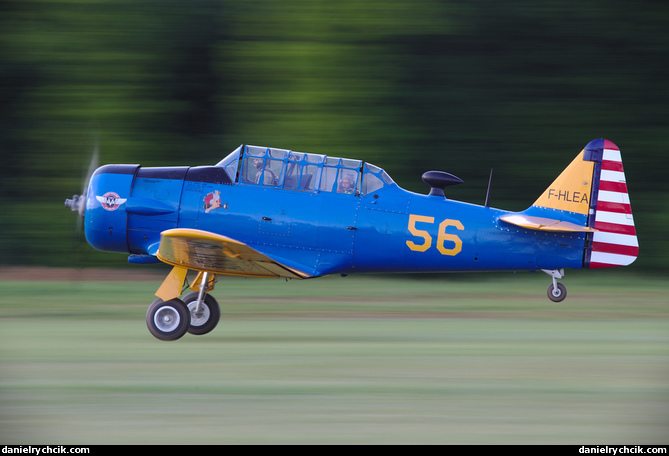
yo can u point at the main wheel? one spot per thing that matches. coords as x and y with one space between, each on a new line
557 294
168 320
206 319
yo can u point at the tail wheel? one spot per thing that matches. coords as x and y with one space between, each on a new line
168 320
204 319
557 294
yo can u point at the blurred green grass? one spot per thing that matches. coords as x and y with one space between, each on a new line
461 359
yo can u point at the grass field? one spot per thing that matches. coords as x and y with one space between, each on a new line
463 359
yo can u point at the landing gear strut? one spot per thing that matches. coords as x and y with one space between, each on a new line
556 291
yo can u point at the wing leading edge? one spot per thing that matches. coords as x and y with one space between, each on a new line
206 251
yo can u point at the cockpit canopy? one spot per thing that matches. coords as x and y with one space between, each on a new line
302 171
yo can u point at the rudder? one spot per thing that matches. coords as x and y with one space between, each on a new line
615 242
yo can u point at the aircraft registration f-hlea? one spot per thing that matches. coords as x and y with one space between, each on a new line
266 212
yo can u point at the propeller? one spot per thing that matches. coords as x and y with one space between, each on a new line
78 202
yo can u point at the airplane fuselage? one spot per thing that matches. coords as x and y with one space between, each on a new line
388 230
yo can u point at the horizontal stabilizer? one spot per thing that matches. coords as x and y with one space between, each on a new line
543 224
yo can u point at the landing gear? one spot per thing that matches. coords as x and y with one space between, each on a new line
168 320
556 291
169 317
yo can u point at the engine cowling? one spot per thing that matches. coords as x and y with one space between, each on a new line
128 206
106 219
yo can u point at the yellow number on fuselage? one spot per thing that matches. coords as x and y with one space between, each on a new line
419 233
442 236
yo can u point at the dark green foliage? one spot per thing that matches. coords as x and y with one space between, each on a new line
410 86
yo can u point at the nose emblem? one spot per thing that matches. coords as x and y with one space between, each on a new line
110 201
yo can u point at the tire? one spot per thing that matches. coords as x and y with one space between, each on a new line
557 295
211 314
168 320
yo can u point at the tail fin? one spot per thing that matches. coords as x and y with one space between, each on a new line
594 185
589 196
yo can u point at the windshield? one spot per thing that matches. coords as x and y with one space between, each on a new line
229 163
302 171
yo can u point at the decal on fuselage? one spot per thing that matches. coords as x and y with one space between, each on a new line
110 201
443 238
212 201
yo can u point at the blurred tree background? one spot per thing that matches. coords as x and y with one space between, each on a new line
461 86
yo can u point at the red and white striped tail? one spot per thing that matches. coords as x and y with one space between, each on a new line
614 243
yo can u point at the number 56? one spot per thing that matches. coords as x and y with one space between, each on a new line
442 236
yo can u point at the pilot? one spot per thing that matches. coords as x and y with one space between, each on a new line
269 177
345 184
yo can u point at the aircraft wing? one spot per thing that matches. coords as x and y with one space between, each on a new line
206 251
543 223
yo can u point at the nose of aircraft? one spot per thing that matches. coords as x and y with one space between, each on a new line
105 207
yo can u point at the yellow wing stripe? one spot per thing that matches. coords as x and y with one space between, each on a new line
206 251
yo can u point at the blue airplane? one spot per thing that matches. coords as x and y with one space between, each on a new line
266 212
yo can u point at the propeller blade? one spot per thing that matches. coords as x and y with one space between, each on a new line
92 166
78 202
